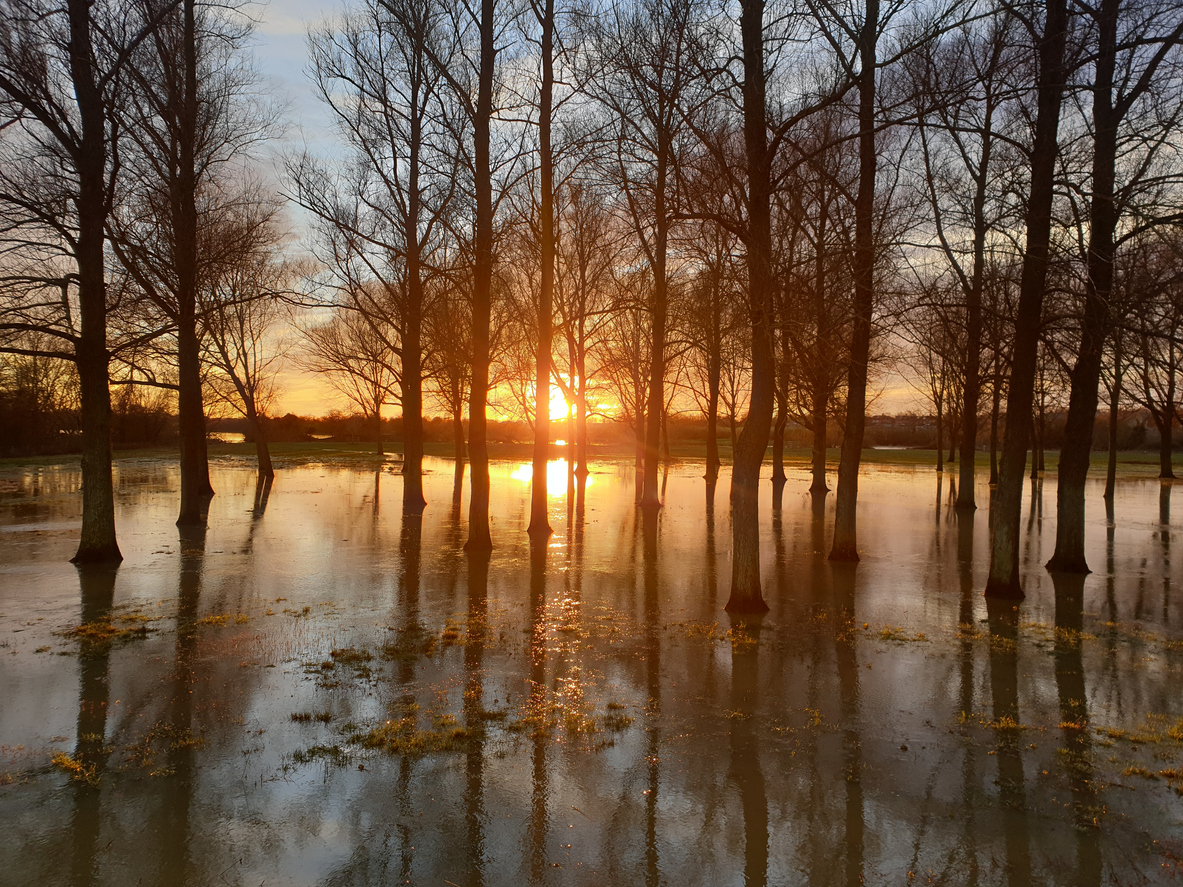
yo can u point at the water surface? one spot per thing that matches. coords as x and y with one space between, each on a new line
321 690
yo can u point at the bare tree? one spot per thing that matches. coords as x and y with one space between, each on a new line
1050 82
352 351
63 77
380 70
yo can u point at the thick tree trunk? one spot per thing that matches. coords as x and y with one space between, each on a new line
1086 374
262 452
539 519
746 595
195 485
97 541
1003 579
845 545
479 537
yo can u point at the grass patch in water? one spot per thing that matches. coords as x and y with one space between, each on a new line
403 737
78 771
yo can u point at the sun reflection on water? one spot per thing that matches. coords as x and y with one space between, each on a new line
557 472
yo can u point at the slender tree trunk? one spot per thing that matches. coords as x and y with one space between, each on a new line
819 409
1114 405
714 373
378 429
581 415
940 438
412 352
1003 579
539 519
479 537
778 438
1166 470
995 409
746 595
972 385
97 542
845 545
655 408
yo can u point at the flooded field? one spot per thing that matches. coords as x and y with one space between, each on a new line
319 690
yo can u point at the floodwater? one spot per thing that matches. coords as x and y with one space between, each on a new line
319 690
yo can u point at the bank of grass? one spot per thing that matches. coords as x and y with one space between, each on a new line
1130 463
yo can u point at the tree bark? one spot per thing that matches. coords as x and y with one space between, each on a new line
1114 405
97 543
818 408
1003 579
845 545
195 485
539 519
479 537
1086 374
746 595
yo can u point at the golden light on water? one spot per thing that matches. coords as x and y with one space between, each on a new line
556 476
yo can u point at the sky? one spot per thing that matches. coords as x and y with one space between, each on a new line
281 56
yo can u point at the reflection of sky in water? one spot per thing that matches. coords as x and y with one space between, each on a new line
613 728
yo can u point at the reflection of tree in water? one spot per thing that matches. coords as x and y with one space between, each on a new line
745 769
474 770
537 704
1074 723
848 686
182 744
1004 690
971 778
97 585
1164 535
410 547
652 646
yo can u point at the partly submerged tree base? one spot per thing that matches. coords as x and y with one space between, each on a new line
1008 590
1068 564
539 530
846 554
107 553
746 602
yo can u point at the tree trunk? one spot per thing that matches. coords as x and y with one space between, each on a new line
581 416
539 519
261 449
655 408
845 545
940 439
819 443
1114 405
778 439
746 595
1165 444
378 429
195 485
994 411
479 537
1003 579
97 542
412 351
